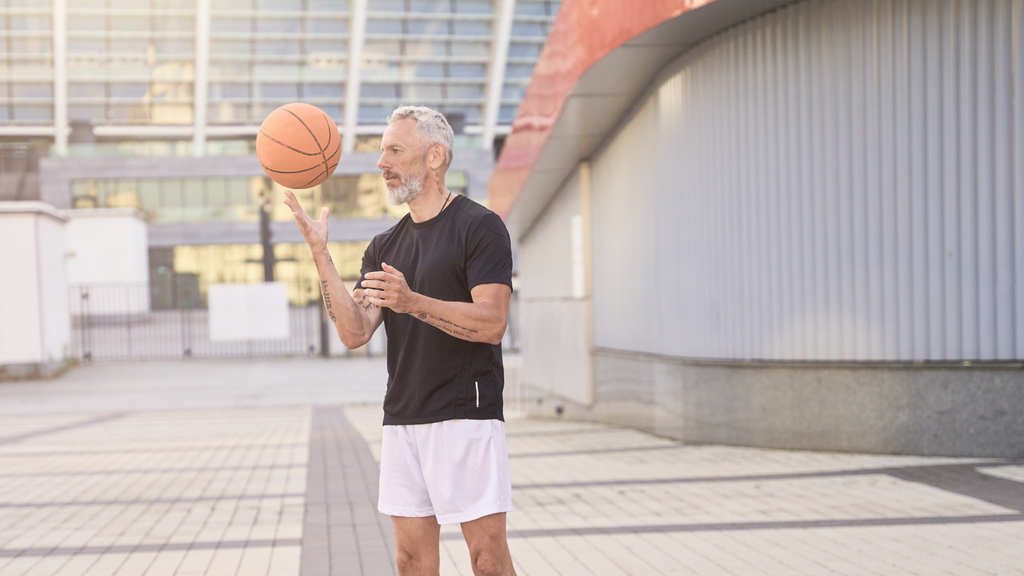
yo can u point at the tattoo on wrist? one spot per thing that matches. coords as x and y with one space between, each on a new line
365 303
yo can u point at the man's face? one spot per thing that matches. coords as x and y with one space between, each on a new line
403 160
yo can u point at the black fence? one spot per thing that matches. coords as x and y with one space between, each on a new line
142 322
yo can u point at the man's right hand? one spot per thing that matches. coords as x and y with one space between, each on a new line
314 231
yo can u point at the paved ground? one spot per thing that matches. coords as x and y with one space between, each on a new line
269 468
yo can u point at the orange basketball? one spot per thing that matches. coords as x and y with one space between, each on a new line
298 146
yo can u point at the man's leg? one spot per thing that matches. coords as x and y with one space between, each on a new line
488 547
417 546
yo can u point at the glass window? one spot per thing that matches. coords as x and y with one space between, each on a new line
174 24
430 6
87 90
382 48
428 70
468 71
466 49
378 91
428 27
507 114
463 92
471 114
231 4
422 91
327 6
278 91
87 23
474 7
280 5
76 46
218 90
29 23
129 23
513 92
126 90
229 70
230 46
233 25
374 113
327 26
518 70
524 50
275 71
174 46
385 5
470 28
90 112
528 30
426 49
383 26
336 46
31 90
277 47
323 90
278 25
41 45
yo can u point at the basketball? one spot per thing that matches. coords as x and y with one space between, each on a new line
298 146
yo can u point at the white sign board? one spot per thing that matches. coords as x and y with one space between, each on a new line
248 311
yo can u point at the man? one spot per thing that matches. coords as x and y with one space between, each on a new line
440 281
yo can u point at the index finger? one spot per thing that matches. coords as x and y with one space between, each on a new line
382 276
291 202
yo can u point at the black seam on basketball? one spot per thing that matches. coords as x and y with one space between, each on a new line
314 167
276 141
306 185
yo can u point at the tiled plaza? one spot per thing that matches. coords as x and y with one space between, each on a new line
269 468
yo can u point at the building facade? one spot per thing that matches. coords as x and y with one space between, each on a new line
155 105
794 225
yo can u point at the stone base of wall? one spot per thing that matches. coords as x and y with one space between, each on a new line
924 409
32 370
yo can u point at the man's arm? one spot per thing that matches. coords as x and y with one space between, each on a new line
354 322
482 320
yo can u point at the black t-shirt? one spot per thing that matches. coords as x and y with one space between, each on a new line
432 375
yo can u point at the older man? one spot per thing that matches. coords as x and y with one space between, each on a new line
440 281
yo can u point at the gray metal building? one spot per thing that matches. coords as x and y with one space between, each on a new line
794 224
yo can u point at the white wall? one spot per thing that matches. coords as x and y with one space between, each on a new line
554 342
110 247
34 321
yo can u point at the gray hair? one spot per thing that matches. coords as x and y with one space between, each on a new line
432 124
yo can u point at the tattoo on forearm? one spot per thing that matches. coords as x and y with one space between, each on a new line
333 317
448 326
327 295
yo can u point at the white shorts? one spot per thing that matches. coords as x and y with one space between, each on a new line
456 470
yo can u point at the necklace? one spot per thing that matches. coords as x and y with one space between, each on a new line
445 204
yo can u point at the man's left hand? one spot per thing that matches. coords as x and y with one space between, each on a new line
388 289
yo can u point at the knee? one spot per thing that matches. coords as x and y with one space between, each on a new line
410 564
487 563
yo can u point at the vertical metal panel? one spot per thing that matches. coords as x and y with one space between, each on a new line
837 180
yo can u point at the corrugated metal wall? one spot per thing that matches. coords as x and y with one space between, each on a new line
837 180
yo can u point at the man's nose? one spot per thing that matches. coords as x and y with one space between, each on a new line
383 164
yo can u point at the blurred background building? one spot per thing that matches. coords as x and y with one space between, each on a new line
155 104
774 223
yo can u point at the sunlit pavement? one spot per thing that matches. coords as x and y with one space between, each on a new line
269 467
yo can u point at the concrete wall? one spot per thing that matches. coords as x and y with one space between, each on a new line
897 409
556 341
109 246
34 320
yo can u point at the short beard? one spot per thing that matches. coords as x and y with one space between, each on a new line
407 191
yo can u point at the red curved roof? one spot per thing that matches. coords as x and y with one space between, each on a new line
583 33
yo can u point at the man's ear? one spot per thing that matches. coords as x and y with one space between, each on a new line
437 156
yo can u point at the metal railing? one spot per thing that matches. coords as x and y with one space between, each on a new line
136 322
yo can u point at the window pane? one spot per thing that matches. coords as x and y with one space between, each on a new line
230 25
327 26
279 25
